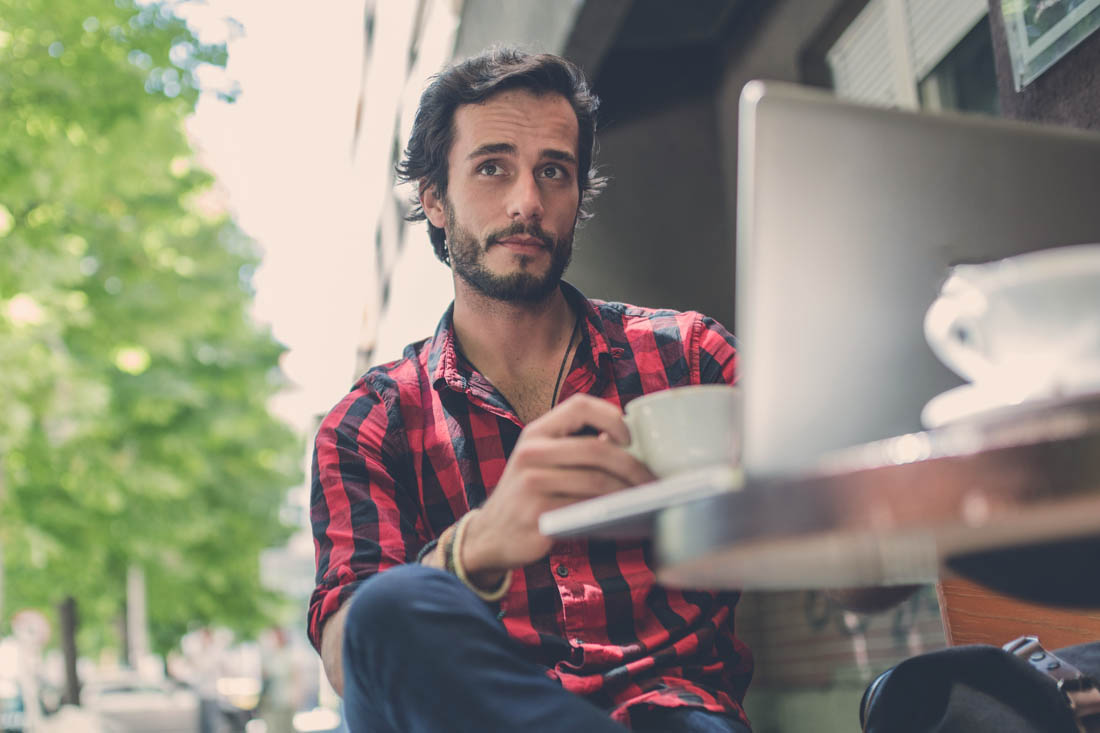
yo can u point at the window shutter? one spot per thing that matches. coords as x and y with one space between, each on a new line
861 60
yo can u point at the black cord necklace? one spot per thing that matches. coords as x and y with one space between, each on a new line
561 369
565 356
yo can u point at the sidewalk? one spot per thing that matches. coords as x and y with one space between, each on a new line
70 719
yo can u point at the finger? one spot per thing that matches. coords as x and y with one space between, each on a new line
556 502
572 483
579 412
591 453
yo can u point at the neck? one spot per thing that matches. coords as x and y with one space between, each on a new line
506 338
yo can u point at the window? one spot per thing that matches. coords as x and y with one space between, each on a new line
965 79
918 54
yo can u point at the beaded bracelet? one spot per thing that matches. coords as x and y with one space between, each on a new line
459 570
426 550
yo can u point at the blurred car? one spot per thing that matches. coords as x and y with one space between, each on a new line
129 704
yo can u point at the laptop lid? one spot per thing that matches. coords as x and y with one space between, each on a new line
848 218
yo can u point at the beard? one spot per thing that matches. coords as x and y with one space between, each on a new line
468 262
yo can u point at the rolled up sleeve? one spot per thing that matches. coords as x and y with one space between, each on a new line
715 351
363 520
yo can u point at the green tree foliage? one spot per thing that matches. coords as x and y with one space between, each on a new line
133 386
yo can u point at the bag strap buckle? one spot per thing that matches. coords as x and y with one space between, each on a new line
1082 692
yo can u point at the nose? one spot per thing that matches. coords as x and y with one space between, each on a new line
525 199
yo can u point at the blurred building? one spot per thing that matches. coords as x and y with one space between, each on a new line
406 289
669 75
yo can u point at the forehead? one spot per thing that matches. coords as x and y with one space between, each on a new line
519 118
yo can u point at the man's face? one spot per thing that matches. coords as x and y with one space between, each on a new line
512 195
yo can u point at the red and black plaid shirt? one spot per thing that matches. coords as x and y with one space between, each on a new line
419 441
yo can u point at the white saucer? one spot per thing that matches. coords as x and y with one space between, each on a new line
980 403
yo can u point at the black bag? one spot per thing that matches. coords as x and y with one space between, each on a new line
1021 688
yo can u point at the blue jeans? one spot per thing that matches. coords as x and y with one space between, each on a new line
423 654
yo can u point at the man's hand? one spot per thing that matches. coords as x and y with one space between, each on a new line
550 467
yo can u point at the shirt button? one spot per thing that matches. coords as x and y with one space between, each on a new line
563 572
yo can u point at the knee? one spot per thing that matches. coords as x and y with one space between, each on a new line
388 608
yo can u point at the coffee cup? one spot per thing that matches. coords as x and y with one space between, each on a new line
686 428
1030 323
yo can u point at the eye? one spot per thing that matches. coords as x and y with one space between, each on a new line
553 171
489 168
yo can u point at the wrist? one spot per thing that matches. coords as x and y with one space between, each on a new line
478 556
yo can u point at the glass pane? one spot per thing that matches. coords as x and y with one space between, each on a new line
966 79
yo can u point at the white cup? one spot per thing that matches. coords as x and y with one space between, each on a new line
1030 323
686 428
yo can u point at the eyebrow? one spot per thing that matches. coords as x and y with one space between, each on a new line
508 148
562 155
491 149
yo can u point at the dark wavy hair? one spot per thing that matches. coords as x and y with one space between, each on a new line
474 81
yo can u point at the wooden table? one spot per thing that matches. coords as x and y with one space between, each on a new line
896 511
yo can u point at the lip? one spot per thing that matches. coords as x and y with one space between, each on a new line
523 242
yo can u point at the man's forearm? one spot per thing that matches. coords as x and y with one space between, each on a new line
332 648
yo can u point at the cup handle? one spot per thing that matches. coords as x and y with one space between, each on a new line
951 329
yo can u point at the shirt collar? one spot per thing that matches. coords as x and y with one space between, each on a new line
447 368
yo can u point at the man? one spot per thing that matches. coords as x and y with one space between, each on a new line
439 606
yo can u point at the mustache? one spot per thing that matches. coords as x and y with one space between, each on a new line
520 228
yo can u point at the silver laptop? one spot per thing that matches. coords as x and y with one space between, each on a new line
848 218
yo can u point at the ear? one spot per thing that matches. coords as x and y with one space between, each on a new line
432 204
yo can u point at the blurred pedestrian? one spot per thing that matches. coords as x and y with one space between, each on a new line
204 652
280 695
